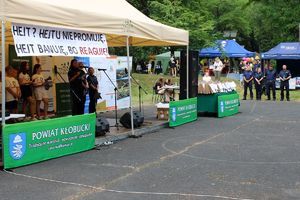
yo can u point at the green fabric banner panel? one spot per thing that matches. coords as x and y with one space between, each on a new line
228 105
183 111
30 142
63 99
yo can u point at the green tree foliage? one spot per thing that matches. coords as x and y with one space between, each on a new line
274 21
260 24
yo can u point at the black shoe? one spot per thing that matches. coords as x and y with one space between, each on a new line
288 99
244 99
268 99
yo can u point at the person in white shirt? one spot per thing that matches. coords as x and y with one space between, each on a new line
218 66
206 78
39 90
12 91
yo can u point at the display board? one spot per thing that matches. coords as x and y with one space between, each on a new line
228 105
182 111
42 140
297 82
116 70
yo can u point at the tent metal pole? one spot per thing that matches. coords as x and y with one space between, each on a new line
187 71
3 71
129 81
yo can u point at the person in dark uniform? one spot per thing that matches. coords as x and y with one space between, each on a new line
248 77
284 76
258 77
93 90
75 76
270 82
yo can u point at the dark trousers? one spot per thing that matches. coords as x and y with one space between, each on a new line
270 85
92 105
77 104
258 89
248 85
284 84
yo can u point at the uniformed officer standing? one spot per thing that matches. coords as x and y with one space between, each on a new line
248 77
284 76
270 82
258 77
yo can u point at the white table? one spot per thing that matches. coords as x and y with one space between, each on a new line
13 116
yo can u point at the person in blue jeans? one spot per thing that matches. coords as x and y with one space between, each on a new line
248 77
270 82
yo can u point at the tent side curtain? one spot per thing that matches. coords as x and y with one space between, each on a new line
228 48
285 50
100 16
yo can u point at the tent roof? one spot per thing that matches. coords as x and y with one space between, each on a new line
168 54
284 50
229 48
115 18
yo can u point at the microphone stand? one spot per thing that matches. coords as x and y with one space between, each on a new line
140 96
116 89
57 72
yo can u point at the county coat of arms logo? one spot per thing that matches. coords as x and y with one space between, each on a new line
17 145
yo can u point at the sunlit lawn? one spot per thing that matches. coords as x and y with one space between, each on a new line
147 81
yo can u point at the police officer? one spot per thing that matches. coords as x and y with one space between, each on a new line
258 77
248 77
270 82
284 76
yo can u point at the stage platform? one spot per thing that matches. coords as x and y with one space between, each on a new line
151 124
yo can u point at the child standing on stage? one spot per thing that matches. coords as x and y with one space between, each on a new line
39 90
26 89
13 92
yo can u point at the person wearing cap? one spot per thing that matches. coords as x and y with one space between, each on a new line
258 78
270 82
248 77
218 66
285 76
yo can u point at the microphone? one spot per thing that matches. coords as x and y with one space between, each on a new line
102 69
55 69
86 67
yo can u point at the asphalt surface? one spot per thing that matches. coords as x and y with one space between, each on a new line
252 155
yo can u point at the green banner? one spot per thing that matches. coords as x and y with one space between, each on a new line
63 99
228 105
183 111
30 142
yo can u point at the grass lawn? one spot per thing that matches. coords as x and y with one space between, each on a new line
147 81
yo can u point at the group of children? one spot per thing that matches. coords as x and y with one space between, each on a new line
159 88
30 89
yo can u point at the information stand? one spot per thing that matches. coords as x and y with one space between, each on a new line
222 104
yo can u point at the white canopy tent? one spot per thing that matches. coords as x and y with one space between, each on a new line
122 24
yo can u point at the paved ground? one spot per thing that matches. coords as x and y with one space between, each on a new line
252 155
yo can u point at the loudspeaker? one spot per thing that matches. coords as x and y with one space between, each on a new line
138 119
102 126
193 74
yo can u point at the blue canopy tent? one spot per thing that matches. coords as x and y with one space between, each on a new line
287 53
284 50
228 48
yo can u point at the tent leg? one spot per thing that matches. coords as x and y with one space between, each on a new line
3 85
187 71
3 71
129 81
